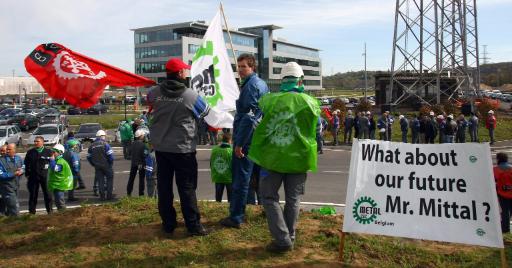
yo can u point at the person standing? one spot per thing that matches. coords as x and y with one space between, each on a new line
441 124
373 124
462 125
126 133
390 121
220 165
490 124
450 129
357 126
3 152
101 157
36 162
415 129
503 178
473 127
382 125
248 114
404 127
431 129
11 169
138 152
284 165
364 126
348 124
175 111
60 177
72 157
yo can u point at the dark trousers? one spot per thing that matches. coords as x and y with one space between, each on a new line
8 190
506 210
105 178
131 179
219 191
184 166
33 184
127 148
76 182
415 137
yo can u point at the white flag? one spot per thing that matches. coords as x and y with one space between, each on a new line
212 76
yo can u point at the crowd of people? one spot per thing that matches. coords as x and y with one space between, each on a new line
258 156
431 128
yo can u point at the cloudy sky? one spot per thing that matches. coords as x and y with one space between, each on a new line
339 28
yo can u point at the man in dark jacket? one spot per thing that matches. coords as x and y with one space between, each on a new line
36 169
175 111
101 157
431 129
139 153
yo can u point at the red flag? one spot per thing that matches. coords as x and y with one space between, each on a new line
80 80
327 114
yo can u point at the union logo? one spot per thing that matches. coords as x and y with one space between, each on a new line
67 67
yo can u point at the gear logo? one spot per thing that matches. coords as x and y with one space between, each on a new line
220 165
365 210
67 67
281 128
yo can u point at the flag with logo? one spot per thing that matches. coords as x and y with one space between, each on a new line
285 140
80 80
212 76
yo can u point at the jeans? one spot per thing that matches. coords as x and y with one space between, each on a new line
10 199
404 136
184 166
415 137
241 170
151 182
60 202
213 137
127 145
282 223
131 179
491 135
449 138
219 191
506 210
105 178
319 143
372 134
33 184
347 135
473 133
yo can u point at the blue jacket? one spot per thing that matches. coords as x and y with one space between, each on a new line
248 113
100 154
150 165
8 167
415 125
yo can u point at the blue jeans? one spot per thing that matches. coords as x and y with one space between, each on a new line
10 199
448 138
242 170
491 135
282 223
60 202
105 179
404 136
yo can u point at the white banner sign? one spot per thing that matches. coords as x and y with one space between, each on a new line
442 192
212 76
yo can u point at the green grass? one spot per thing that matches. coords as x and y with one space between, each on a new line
127 234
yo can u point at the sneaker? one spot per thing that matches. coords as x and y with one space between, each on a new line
199 231
228 222
275 248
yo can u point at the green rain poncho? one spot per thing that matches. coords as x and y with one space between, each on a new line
62 180
285 140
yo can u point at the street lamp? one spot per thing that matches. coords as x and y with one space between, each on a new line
365 73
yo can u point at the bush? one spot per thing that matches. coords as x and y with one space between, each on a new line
484 107
425 110
363 106
451 108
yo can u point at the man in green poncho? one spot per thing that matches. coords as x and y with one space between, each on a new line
60 177
284 143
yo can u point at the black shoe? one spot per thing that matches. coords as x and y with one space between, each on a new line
168 230
275 248
72 199
81 187
228 222
199 231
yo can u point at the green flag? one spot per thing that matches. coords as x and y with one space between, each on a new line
285 140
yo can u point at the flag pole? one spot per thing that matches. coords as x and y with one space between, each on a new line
229 34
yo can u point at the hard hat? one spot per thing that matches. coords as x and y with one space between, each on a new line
401 116
100 133
368 112
432 113
292 69
58 148
440 116
490 112
450 116
139 133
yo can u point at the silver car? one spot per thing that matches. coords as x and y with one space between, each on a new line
10 134
52 134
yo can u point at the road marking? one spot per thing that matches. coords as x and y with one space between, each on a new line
335 171
123 171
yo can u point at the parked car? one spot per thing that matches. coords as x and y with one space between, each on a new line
74 110
87 131
98 109
24 121
9 112
52 134
54 119
4 120
10 134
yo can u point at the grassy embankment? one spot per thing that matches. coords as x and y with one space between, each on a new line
127 234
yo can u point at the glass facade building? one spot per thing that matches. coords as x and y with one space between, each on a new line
155 45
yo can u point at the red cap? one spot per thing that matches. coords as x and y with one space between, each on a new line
175 65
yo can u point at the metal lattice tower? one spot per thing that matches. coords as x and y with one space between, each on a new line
435 51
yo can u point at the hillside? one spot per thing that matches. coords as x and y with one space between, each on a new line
127 234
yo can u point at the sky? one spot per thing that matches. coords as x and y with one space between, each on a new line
339 28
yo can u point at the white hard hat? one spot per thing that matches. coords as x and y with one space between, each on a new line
450 116
490 112
59 148
292 69
401 116
139 133
368 112
432 113
100 133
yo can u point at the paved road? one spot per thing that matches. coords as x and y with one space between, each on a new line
328 185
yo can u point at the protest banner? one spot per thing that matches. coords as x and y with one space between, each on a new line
442 192
212 76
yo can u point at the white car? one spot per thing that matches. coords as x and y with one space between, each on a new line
10 134
52 134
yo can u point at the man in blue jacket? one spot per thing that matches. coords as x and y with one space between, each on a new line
101 157
11 169
248 115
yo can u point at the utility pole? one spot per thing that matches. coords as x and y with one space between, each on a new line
485 58
365 73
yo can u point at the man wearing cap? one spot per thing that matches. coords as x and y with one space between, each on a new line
101 157
60 177
248 114
36 170
490 124
139 152
292 133
175 109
